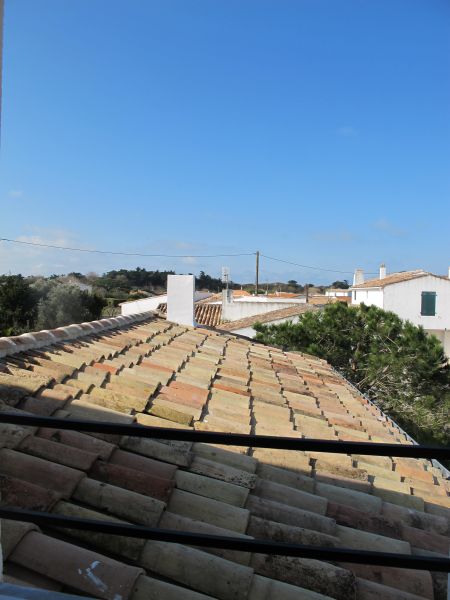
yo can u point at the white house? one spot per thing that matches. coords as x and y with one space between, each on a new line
416 296
337 293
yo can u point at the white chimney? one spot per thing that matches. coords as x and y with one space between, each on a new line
449 272
358 277
227 301
180 299
382 271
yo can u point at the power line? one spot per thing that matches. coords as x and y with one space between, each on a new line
310 267
144 255
125 253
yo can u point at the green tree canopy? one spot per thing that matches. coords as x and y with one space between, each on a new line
17 305
66 304
340 285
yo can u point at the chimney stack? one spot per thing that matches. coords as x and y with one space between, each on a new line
180 299
358 277
382 271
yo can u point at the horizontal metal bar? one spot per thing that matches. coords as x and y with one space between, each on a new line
405 561
232 439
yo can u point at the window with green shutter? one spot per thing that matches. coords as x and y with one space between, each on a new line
428 308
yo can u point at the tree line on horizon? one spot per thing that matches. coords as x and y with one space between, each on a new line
35 302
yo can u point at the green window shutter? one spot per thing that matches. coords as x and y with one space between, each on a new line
428 308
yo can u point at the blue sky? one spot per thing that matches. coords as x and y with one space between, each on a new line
316 131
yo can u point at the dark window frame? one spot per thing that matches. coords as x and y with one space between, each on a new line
428 304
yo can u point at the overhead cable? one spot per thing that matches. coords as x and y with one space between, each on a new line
125 253
146 255
311 267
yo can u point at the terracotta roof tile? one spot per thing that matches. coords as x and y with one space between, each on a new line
324 578
274 315
127 547
199 570
153 372
17 492
147 465
133 480
174 521
75 439
120 502
13 533
78 568
58 453
50 475
392 278
17 575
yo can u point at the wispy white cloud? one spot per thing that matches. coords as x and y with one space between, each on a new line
15 193
334 236
35 260
181 245
387 227
347 131
189 260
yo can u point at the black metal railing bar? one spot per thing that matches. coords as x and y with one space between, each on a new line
388 559
232 439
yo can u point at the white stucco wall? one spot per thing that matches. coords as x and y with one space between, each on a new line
443 335
180 299
143 305
234 311
368 296
262 298
337 293
251 333
146 304
405 299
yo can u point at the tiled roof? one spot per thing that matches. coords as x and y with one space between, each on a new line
157 373
392 278
205 314
240 293
320 300
273 315
284 295
218 297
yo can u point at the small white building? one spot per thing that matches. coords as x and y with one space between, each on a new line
416 296
134 307
337 293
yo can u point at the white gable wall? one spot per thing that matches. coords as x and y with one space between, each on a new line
234 311
134 307
369 297
405 299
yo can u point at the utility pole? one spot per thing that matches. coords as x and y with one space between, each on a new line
257 272
307 292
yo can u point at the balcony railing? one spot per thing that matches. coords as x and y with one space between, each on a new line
429 563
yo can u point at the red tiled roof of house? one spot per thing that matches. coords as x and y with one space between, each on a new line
321 300
392 278
218 297
204 313
283 295
273 315
156 373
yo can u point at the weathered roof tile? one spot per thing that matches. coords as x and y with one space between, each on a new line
161 375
